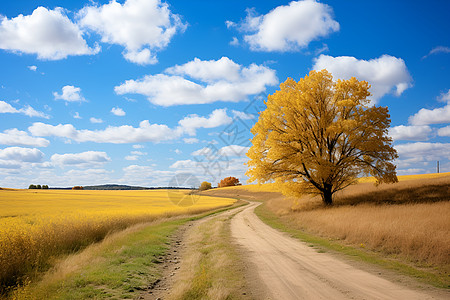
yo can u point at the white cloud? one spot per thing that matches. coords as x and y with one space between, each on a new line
69 94
288 27
138 153
385 74
411 133
138 146
118 111
146 132
193 122
431 116
234 41
77 116
424 151
20 154
177 151
226 151
146 176
143 27
82 159
95 120
445 97
32 68
233 150
15 137
444 131
28 110
242 115
437 50
131 157
191 140
48 33
200 82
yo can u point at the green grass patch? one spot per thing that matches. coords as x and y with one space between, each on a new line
271 219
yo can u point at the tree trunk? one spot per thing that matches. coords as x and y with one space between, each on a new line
327 195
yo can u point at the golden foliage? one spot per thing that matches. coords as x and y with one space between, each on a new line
229 181
39 225
205 186
316 136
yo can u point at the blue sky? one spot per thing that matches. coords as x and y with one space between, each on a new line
138 91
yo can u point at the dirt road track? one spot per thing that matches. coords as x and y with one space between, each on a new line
289 269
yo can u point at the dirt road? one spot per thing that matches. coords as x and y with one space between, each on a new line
289 269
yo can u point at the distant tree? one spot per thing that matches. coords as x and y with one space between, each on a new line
77 188
229 181
32 187
205 186
45 187
38 186
317 135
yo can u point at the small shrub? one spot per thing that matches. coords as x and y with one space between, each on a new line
229 181
205 186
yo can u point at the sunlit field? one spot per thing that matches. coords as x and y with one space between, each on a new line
37 226
408 219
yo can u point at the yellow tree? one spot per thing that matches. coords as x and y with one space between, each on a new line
316 136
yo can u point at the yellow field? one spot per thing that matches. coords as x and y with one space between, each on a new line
36 226
270 187
409 219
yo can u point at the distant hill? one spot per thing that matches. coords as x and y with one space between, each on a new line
114 187
119 187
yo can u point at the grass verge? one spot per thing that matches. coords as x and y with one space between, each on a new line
271 219
211 268
119 267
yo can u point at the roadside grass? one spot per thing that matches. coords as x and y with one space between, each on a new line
436 279
210 269
122 266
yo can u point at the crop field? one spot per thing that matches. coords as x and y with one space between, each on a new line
37 226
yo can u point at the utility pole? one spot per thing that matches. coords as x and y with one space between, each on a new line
438 166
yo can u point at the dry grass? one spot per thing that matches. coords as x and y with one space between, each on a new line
36 227
409 219
208 269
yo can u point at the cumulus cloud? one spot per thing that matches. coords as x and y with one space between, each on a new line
80 159
411 133
143 27
20 154
425 116
28 110
146 132
48 33
32 68
386 74
70 93
421 151
15 137
444 131
131 157
287 27
118 111
193 122
191 140
200 82
445 97
95 120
